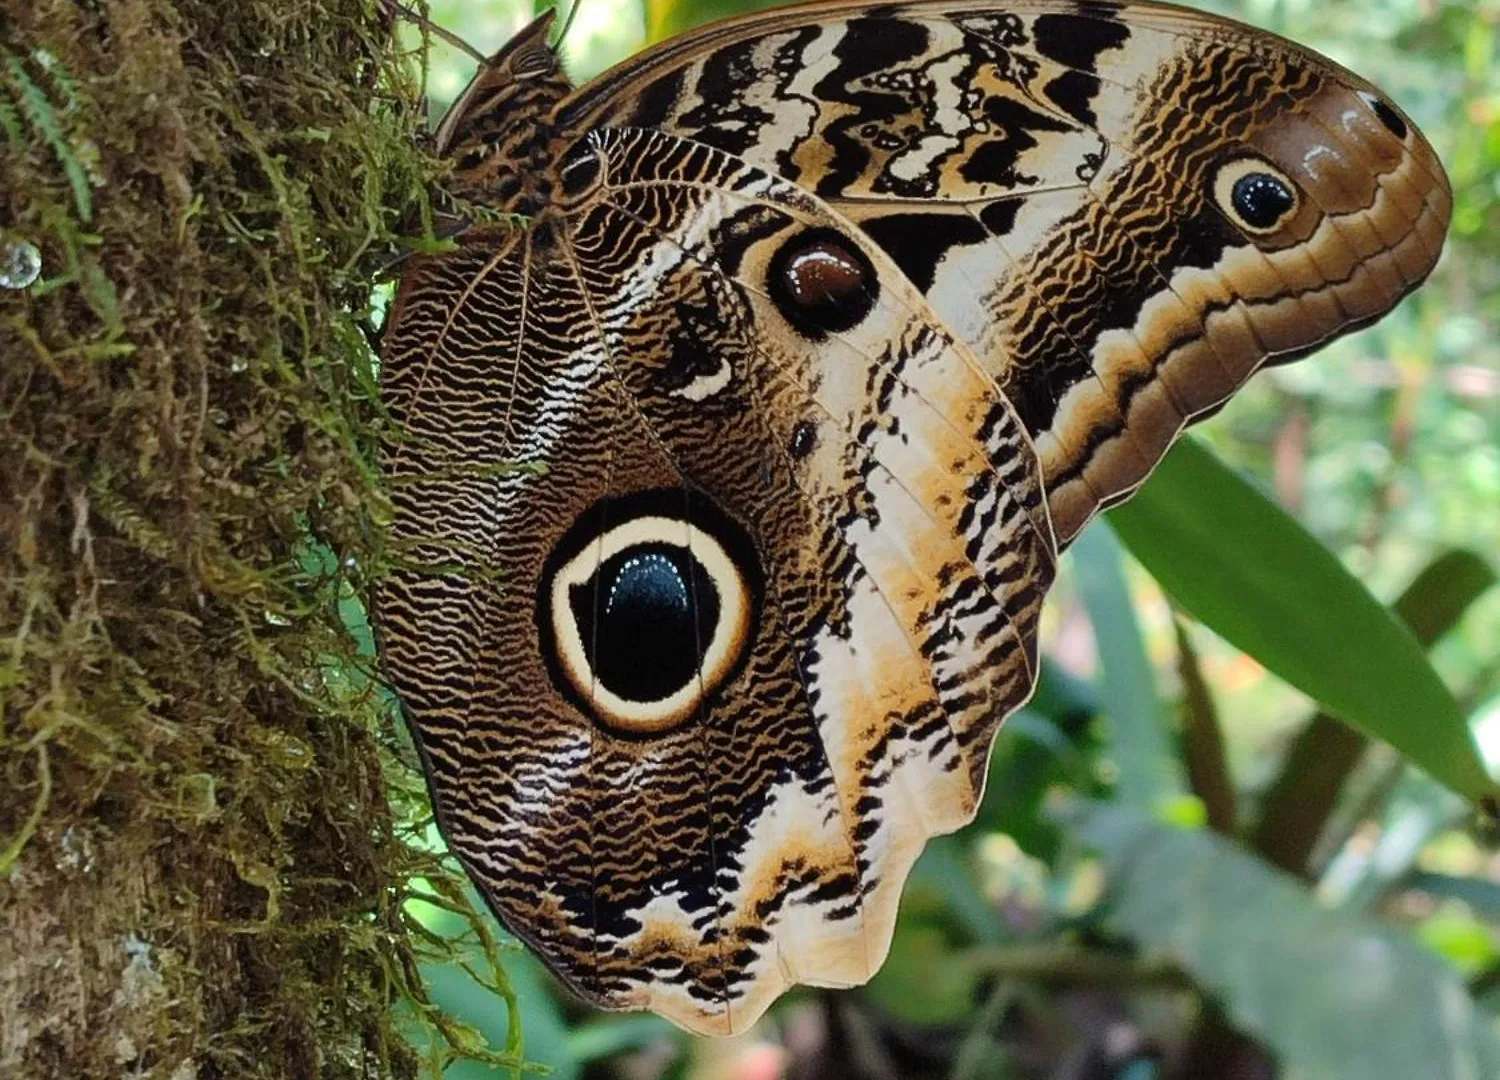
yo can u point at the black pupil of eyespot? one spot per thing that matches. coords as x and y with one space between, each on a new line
822 283
1389 117
803 437
645 619
1261 199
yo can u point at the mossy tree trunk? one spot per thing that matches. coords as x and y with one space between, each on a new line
199 875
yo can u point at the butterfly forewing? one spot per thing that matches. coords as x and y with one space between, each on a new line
1061 181
730 475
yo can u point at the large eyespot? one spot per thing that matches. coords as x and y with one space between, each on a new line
1257 196
1385 114
647 606
822 283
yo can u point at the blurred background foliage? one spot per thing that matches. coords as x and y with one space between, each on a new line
1188 863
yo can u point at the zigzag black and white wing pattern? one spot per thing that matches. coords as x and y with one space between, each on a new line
732 456
1124 209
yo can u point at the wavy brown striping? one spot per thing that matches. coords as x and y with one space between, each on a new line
730 481
701 868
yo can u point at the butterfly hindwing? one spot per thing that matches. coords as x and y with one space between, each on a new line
748 418
1124 209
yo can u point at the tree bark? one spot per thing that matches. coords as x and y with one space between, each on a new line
199 871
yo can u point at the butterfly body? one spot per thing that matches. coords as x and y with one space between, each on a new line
730 481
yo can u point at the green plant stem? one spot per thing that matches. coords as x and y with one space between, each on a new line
1063 963
1203 740
1300 802
978 1049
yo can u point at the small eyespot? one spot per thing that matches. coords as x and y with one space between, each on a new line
582 170
1257 196
650 608
804 438
1386 115
822 283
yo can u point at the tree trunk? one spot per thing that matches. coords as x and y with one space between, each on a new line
199 872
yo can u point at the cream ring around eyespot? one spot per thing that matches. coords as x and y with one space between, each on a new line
1233 172
724 648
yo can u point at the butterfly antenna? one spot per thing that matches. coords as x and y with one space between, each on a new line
567 25
404 12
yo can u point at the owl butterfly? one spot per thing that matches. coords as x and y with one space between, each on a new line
734 444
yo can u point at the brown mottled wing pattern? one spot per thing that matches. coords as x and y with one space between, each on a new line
1123 209
730 474
623 401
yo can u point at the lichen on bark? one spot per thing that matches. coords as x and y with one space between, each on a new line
200 871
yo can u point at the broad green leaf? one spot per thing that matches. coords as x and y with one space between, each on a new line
1245 568
1336 996
1298 804
1139 743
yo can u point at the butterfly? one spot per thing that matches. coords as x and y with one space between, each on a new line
734 442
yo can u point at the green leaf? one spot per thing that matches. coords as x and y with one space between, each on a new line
598 1040
1336 996
1139 743
1298 805
1438 597
1053 741
1482 896
38 109
1245 568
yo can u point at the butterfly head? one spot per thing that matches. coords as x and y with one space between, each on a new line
497 130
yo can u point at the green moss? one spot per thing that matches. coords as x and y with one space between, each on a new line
201 874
